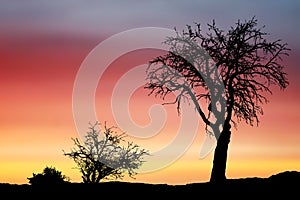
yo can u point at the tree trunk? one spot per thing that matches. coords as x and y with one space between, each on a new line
220 157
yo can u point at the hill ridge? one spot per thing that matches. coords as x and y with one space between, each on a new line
280 184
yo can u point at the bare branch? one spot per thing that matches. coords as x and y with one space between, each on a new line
106 157
247 63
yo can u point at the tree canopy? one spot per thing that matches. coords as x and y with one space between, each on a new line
231 70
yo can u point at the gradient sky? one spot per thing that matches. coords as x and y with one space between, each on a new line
43 44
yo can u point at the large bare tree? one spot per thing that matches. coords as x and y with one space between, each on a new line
233 71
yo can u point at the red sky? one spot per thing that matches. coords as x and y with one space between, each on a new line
38 70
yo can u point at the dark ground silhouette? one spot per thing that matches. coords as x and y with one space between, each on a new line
285 184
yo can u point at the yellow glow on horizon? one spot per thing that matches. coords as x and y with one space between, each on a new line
260 168
187 169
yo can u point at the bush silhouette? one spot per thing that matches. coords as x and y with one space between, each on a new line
49 176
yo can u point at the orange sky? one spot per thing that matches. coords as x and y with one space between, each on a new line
42 48
36 121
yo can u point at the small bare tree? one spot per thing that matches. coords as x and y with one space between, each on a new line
103 155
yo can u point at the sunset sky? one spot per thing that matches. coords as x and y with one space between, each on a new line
43 46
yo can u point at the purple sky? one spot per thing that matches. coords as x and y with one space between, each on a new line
108 17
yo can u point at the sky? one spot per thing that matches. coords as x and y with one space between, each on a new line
47 46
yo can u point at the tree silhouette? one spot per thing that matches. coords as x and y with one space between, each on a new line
49 176
231 71
104 156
